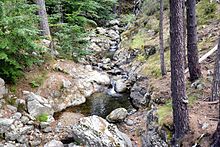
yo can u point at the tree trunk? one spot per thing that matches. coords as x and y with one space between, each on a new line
215 90
44 26
162 62
178 88
192 51
216 77
184 33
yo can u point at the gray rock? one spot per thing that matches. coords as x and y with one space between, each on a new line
150 50
117 115
17 116
101 30
22 139
114 22
9 145
152 137
37 105
2 88
73 145
66 84
12 108
12 135
120 86
47 130
129 122
93 46
113 35
35 143
95 131
140 95
6 122
54 143
115 27
197 85
43 125
24 119
106 60
26 129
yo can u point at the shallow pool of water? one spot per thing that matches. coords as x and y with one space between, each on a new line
100 104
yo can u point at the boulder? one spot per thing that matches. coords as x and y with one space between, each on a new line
140 95
95 47
96 131
72 84
113 34
2 88
114 22
120 86
153 136
37 105
54 143
101 30
117 115
5 123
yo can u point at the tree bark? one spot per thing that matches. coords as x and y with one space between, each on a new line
216 77
44 25
184 34
178 88
162 62
216 95
192 51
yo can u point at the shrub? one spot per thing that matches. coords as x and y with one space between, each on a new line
42 118
206 11
17 34
71 20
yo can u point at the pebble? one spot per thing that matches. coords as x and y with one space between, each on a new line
43 125
22 139
47 130
17 116
24 119
129 122
12 108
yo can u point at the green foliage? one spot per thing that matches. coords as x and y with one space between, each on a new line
152 6
71 20
17 34
164 112
38 80
42 118
152 65
34 84
127 18
206 11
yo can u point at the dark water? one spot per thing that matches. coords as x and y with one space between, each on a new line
100 104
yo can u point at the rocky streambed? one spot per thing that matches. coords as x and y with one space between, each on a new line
70 107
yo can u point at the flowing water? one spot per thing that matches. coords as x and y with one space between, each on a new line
101 104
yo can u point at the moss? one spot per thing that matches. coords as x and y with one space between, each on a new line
192 99
38 80
206 11
42 118
164 112
152 65
137 41
127 18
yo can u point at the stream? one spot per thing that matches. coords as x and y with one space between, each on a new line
104 102
100 104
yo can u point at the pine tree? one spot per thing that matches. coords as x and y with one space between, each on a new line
44 25
162 62
192 51
178 88
215 94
